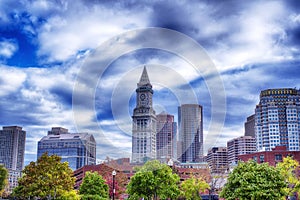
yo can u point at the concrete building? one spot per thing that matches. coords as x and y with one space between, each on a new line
250 126
143 122
166 139
272 157
239 146
217 159
190 133
12 149
277 119
78 149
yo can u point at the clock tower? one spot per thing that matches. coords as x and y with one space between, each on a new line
143 122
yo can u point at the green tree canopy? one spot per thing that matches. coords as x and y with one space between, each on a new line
190 188
93 187
153 180
250 180
3 178
288 169
47 178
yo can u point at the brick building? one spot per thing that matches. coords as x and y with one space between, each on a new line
272 157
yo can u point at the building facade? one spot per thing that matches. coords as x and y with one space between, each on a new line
143 122
190 133
166 138
239 146
12 149
78 149
217 160
272 157
250 126
277 119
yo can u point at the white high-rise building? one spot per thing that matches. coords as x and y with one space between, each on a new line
190 133
277 119
143 122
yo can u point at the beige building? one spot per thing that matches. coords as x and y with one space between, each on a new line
217 159
240 146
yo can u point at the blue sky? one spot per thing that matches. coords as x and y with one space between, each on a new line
60 65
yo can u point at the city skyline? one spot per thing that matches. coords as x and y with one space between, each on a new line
45 44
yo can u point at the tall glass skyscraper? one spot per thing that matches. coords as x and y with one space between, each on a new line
190 133
78 149
166 137
277 119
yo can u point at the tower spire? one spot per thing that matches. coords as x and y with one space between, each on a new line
144 80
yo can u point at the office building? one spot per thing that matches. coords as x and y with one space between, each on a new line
190 133
78 149
239 146
250 126
143 122
12 149
166 137
217 159
277 121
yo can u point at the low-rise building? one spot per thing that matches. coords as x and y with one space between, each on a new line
272 157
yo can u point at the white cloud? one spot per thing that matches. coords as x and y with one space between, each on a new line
11 80
8 48
82 27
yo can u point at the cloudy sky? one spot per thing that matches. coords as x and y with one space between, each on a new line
75 64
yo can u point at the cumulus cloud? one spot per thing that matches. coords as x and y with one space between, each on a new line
7 48
251 48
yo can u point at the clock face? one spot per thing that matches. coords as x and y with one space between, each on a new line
142 97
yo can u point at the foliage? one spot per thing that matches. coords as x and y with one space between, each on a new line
191 187
3 178
153 180
69 195
288 169
93 187
250 180
47 178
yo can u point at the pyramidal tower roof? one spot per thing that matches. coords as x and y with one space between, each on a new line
144 78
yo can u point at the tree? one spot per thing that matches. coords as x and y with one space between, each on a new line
47 178
3 178
288 169
153 180
250 180
190 188
93 187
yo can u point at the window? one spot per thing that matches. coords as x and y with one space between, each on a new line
278 157
261 158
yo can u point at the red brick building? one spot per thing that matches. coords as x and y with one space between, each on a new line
272 157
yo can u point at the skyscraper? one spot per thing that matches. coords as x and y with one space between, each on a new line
143 122
249 126
190 133
166 137
12 149
78 149
277 120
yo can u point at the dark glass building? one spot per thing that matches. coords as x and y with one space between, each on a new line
78 149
